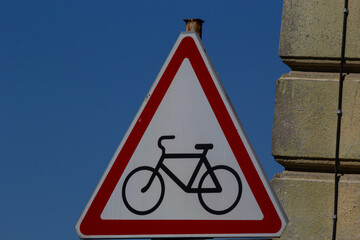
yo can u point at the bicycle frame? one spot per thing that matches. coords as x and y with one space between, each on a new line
202 160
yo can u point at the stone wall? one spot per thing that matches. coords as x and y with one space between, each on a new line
305 119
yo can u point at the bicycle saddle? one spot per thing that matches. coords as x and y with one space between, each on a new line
204 146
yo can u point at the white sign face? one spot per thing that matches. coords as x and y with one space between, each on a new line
185 114
185 167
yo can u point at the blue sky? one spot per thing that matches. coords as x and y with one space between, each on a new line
73 74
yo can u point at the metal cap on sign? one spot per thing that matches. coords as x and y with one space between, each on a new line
194 24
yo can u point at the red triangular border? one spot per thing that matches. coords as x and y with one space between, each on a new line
93 225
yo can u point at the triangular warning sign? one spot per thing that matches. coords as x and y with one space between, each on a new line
185 167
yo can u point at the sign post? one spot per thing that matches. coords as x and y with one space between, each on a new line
185 167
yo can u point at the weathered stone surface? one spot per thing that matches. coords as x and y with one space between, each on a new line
305 119
311 35
308 200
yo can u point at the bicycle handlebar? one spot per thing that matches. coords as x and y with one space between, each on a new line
162 138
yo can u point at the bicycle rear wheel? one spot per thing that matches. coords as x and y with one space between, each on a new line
226 200
137 200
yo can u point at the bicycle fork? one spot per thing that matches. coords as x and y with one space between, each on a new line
152 177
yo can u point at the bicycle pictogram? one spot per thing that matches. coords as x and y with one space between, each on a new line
202 191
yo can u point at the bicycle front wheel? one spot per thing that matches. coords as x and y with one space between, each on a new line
137 200
226 200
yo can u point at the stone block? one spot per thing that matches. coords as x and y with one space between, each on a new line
311 35
308 200
305 120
